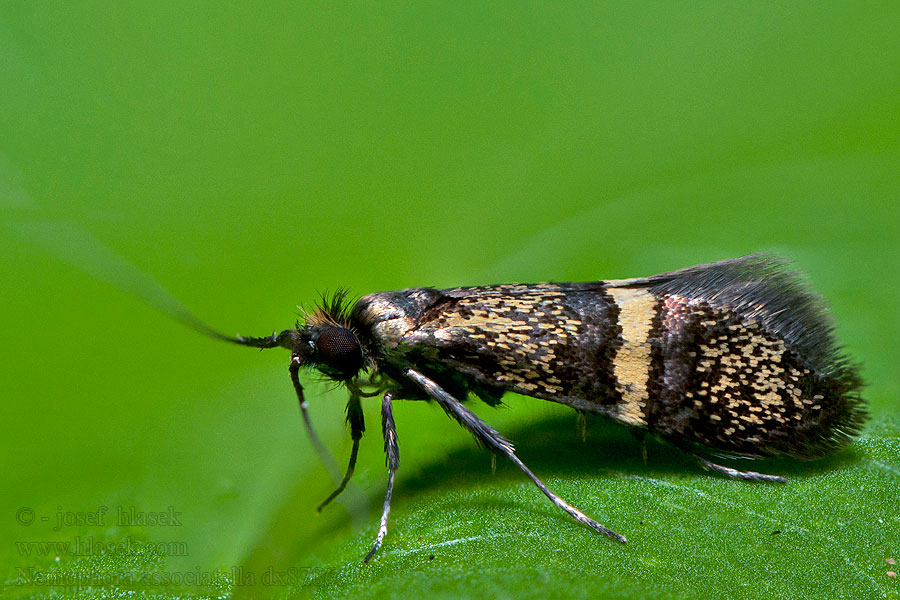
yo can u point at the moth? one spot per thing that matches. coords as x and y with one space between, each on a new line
735 359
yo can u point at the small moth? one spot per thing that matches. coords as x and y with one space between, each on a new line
734 358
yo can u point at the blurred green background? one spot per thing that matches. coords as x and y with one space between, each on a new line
248 156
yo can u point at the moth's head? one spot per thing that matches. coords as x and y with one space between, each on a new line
332 349
328 342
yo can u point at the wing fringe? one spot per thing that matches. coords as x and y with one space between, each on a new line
767 289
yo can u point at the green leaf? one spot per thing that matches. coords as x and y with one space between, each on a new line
456 530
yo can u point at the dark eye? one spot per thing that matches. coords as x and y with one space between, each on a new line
339 352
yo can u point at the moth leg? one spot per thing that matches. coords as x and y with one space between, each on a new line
735 474
392 458
582 426
492 440
357 423
640 435
354 388
324 455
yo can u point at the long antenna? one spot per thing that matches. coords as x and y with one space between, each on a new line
70 243
87 254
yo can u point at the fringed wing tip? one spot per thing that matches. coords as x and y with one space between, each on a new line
768 289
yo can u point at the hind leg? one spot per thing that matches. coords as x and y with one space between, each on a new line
735 474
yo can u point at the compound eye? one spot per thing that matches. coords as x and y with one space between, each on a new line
339 352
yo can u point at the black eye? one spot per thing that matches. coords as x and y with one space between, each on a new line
339 352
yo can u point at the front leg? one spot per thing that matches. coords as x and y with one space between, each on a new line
324 455
392 459
486 435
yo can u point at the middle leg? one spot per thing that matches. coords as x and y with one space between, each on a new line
392 458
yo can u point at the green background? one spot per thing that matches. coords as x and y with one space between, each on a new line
246 157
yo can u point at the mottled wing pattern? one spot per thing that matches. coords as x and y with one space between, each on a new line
745 361
738 355
544 340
